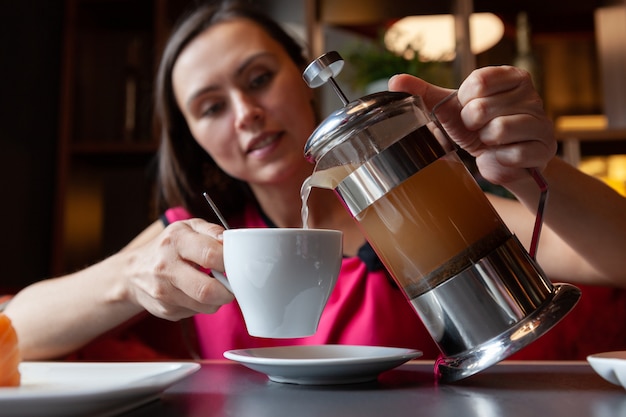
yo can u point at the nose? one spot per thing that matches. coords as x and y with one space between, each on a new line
248 112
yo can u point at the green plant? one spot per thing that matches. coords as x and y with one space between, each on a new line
369 62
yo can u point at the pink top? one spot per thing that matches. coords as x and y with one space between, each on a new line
365 308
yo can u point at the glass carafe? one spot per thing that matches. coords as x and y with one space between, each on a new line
479 293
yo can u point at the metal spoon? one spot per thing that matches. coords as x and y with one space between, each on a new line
216 210
218 275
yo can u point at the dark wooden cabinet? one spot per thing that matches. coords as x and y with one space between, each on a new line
107 139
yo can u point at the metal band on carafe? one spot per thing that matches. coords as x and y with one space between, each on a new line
388 169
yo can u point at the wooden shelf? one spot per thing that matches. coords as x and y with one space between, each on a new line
571 140
592 135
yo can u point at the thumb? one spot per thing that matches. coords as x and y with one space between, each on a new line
431 94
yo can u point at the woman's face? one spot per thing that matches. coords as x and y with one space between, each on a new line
245 102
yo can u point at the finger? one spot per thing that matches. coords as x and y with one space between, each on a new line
158 297
509 163
431 94
206 228
493 80
479 111
181 292
518 128
197 241
447 114
492 170
202 290
197 244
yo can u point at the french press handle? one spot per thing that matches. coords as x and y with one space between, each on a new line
453 109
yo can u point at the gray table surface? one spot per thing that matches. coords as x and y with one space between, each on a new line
222 388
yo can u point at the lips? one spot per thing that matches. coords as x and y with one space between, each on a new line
263 142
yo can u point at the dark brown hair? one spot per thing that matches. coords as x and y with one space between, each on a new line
185 170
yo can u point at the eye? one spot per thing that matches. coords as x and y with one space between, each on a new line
211 108
261 80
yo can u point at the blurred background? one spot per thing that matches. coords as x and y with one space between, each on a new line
78 140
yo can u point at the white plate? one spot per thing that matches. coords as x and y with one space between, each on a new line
610 366
85 388
322 364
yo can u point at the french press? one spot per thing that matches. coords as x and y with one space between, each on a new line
479 293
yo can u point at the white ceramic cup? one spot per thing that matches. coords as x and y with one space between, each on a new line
281 277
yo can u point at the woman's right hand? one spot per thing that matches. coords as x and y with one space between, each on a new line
167 273
159 271
502 121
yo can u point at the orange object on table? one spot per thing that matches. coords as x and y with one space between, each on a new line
9 354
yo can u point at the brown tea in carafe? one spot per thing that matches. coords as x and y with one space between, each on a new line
427 227
432 226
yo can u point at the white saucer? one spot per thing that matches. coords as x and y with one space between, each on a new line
322 364
610 366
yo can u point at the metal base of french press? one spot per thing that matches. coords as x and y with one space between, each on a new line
491 310
450 369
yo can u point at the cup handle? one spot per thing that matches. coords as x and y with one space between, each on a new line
222 279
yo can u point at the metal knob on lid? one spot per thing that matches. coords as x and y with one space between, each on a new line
322 70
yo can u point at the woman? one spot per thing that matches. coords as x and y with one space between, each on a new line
235 115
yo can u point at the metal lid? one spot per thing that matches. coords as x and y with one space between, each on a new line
354 118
